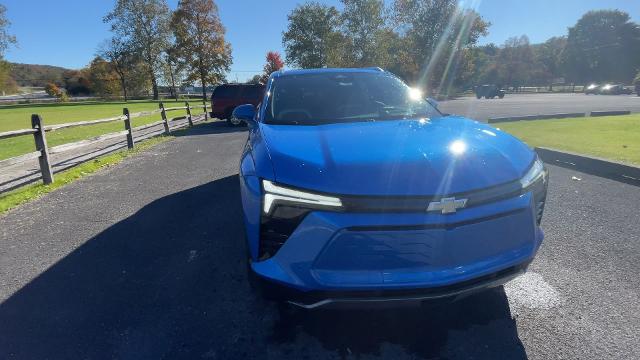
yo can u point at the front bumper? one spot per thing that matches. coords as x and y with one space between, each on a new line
433 254
325 299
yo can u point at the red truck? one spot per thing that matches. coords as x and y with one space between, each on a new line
227 97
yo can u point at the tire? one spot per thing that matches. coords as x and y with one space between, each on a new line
501 96
478 96
231 121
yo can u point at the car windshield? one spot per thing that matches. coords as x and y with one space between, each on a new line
319 98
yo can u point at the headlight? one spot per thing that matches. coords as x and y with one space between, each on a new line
536 172
276 194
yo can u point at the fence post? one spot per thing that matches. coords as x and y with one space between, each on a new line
189 113
127 126
164 119
41 146
206 112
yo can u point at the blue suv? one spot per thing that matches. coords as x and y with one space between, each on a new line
356 189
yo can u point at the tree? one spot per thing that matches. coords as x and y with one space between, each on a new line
173 70
362 24
603 45
76 82
7 83
6 39
200 40
311 30
256 79
122 60
274 63
548 57
104 80
143 25
52 89
436 33
515 61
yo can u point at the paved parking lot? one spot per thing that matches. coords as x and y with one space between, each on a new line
145 261
533 104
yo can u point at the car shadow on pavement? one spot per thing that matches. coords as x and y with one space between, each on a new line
169 282
479 327
210 127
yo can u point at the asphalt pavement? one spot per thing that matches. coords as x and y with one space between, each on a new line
536 104
145 260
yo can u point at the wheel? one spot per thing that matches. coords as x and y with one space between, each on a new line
501 96
478 96
231 120
234 121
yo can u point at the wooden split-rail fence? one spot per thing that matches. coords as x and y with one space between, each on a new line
42 151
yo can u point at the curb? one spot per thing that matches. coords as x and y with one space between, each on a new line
534 117
591 165
557 116
608 113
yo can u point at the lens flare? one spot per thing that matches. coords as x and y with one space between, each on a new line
458 147
415 94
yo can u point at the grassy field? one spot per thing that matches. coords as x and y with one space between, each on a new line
612 137
13 117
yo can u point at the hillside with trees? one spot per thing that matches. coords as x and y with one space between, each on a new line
37 75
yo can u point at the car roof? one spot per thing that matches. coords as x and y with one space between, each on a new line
234 84
327 70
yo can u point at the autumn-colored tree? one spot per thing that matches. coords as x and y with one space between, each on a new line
122 60
200 42
274 63
52 89
103 78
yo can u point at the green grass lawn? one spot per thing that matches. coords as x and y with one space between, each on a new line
13 117
611 137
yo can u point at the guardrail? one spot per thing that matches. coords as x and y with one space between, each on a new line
43 151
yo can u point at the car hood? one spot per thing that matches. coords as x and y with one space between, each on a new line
441 156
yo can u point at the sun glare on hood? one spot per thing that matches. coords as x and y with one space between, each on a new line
458 147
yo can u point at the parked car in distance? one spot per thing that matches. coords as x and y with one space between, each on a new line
489 91
227 97
617 89
356 189
592 89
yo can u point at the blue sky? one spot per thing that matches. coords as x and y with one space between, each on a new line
66 33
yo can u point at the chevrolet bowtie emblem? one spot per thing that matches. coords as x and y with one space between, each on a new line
447 205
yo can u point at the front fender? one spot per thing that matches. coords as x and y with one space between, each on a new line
250 193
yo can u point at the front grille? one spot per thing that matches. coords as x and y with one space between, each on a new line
419 203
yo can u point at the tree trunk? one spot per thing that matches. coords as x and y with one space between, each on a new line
154 84
204 87
173 82
124 88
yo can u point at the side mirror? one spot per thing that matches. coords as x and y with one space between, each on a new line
433 102
245 113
